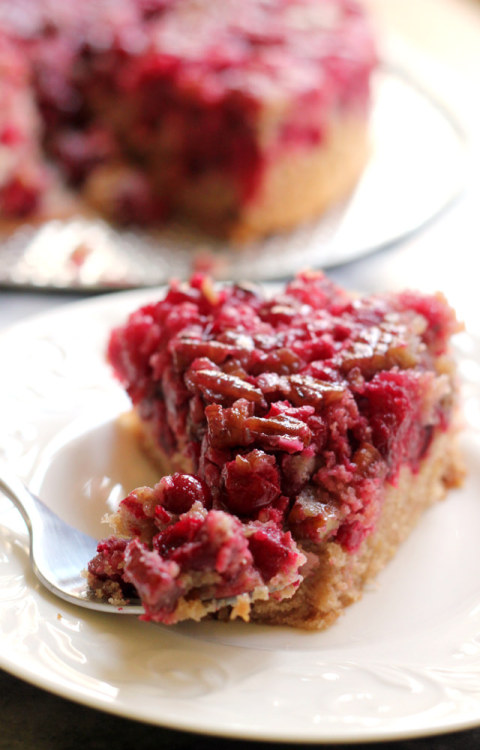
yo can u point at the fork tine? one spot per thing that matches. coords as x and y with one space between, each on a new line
59 553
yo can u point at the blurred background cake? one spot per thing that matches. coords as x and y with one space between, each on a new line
243 117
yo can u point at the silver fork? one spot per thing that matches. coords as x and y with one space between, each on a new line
59 553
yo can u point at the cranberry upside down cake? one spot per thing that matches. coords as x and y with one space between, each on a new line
301 437
243 117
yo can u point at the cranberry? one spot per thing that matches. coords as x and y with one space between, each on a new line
251 481
214 543
178 492
180 536
108 562
273 550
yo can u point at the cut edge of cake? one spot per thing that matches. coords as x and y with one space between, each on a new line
332 578
339 578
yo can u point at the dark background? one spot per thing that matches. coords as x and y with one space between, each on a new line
32 719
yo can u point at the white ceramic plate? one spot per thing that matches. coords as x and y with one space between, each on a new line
403 662
404 186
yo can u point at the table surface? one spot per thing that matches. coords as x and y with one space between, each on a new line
442 40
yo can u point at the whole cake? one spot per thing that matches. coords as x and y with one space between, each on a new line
306 433
243 117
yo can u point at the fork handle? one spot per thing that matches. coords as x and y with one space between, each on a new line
13 488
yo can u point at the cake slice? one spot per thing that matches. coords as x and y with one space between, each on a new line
306 433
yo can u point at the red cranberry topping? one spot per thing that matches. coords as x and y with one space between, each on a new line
178 351
227 558
198 554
